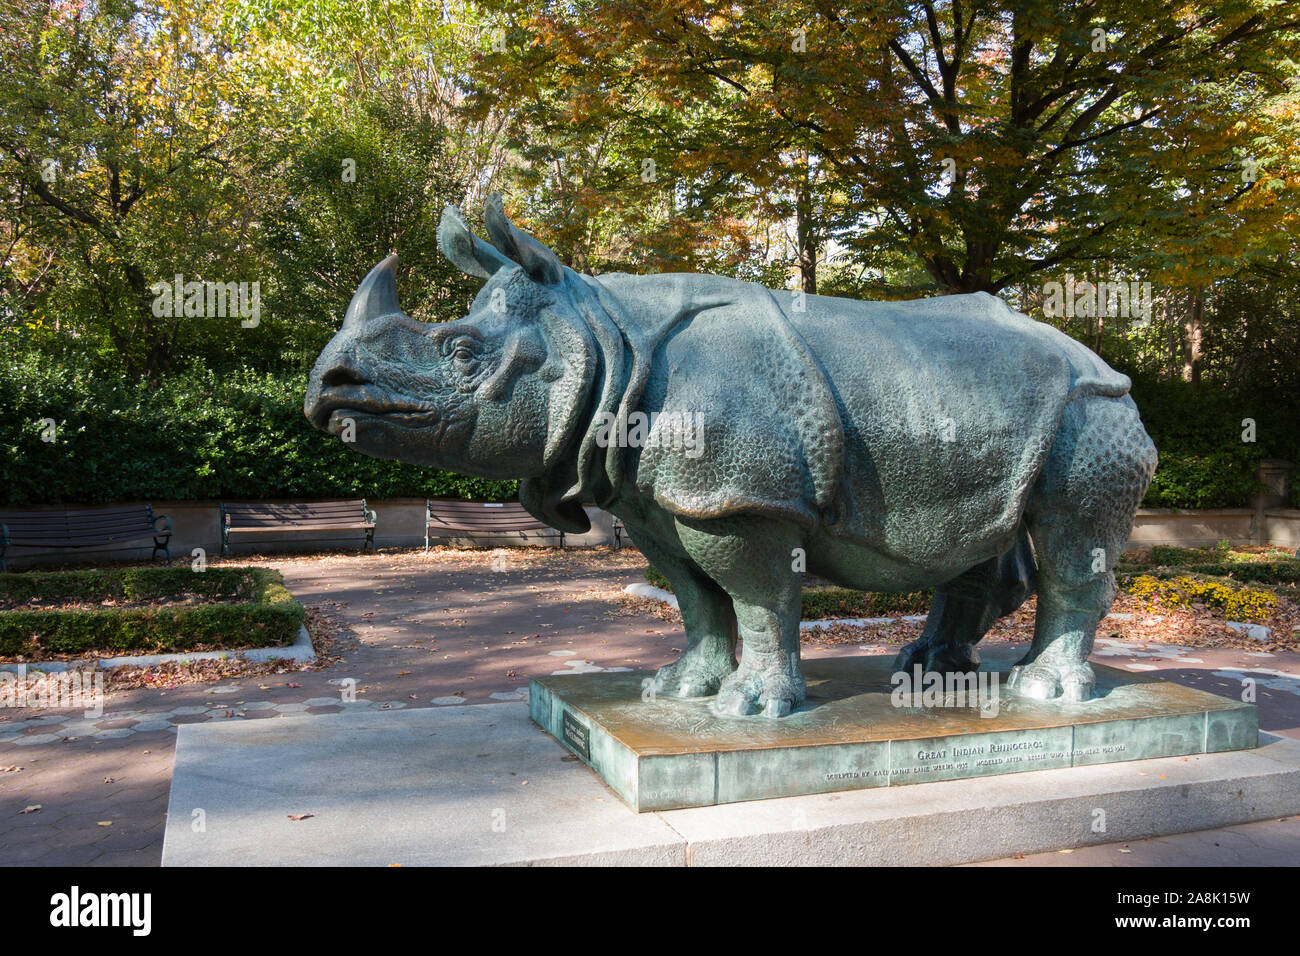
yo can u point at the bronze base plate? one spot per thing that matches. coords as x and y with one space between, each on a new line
859 729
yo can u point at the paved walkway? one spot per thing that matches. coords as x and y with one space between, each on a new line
457 628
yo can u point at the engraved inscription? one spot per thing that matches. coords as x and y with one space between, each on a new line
971 759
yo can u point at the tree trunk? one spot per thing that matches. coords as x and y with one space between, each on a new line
806 229
1192 336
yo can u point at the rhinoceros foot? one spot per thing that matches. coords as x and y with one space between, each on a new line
772 687
940 658
694 675
1045 680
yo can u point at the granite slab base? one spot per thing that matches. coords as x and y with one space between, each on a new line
856 732
482 785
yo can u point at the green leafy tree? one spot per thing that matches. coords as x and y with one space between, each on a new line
989 142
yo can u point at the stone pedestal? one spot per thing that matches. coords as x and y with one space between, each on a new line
860 730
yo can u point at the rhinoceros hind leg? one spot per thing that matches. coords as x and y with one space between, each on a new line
965 608
710 623
751 558
1080 515
938 650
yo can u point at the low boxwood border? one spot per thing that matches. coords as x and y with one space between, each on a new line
826 602
265 613
1248 572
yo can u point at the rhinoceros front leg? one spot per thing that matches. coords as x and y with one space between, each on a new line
710 653
752 559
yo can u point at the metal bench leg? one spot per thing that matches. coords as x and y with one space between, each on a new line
165 546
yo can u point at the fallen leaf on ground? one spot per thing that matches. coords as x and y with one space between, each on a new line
301 816
32 809
104 823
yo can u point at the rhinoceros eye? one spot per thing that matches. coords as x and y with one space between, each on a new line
464 356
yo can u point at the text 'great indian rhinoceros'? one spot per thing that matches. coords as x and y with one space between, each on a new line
743 435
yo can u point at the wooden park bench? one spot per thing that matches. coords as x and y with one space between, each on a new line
238 518
84 529
458 519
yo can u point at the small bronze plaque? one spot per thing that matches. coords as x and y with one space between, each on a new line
578 736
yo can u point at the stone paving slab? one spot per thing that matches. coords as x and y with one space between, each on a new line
482 786
468 786
1267 843
422 631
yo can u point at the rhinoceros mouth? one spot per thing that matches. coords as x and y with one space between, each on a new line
336 405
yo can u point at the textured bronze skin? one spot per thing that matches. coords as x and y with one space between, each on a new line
881 445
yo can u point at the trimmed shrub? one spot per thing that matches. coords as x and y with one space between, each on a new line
820 603
1171 557
259 611
133 584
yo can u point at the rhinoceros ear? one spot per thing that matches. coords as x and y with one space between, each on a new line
470 255
540 263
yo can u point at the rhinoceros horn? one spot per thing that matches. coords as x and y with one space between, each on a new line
376 296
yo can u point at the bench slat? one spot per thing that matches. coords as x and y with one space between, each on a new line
134 521
472 526
294 518
61 515
272 529
293 506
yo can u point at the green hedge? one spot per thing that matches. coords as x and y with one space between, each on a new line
1226 478
822 603
135 584
265 615
199 436
1198 432
243 435
1253 572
